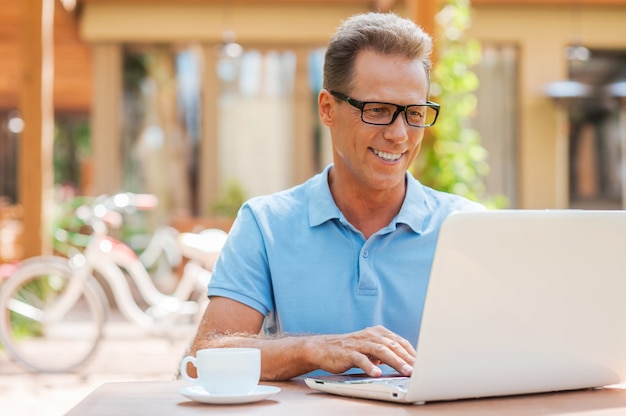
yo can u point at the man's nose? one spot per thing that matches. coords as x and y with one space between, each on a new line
397 130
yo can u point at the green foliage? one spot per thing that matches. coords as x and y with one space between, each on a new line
71 148
35 292
229 201
68 231
452 158
71 234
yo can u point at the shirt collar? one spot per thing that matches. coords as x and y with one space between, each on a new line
414 210
322 207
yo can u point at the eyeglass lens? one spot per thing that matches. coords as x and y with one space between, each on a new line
381 113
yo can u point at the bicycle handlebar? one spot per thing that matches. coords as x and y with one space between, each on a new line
125 200
145 202
108 209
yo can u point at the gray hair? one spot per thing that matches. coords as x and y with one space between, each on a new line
385 33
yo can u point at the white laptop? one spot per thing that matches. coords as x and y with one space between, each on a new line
519 301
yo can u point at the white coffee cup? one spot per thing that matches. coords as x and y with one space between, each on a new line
225 371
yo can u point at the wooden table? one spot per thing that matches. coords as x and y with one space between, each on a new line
156 398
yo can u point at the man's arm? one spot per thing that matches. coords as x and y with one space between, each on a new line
228 323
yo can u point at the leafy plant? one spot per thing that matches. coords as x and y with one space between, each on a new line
68 231
452 158
71 147
229 201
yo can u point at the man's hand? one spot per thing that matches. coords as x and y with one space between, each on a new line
227 323
365 349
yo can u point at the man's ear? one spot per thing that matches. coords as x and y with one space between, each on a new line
326 105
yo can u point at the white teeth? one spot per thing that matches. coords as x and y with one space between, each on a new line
387 156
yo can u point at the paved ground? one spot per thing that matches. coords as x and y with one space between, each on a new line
127 353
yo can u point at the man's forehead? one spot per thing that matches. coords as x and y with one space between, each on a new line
377 75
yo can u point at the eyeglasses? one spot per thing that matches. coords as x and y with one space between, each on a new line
383 114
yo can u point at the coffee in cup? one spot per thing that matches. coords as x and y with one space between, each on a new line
225 371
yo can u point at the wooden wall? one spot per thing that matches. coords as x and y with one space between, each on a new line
72 61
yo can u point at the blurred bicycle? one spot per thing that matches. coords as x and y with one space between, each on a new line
56 300
159 250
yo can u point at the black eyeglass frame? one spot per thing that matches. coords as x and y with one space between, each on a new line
399 109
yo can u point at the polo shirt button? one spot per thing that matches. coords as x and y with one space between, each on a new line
365 253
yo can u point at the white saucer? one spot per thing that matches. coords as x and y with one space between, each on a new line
198 394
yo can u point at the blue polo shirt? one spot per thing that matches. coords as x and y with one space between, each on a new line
295 258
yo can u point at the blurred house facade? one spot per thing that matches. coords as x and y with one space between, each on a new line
552 70
190 99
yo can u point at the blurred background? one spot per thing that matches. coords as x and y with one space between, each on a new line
205 103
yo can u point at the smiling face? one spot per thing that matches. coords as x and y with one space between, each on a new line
375 158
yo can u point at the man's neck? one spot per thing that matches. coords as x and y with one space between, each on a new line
368 210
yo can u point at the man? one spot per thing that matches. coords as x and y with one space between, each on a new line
331 275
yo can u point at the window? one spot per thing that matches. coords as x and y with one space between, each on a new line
496 120
161 124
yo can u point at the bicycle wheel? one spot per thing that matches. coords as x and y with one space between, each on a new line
50 320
